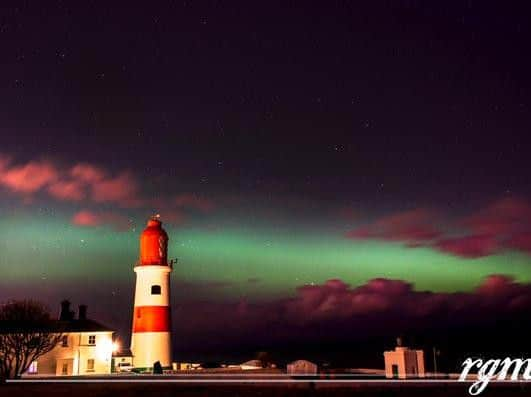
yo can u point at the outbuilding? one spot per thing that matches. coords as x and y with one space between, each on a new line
403 363
302 367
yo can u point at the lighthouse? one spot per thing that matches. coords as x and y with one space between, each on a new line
151 338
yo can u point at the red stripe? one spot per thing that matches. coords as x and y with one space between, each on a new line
151 319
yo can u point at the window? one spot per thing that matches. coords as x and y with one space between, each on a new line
92 340
155 290
33 368
64 369
90 365
64 341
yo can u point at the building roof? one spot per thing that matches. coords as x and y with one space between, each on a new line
301 362
253 363
85 325
123 353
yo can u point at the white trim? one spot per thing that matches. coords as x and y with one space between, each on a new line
152 268
197 377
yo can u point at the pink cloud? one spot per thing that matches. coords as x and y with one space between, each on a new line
496 284
336 299
336 308
87 218
409 226
88 183
387 286
502 225
520 241
67 190
474 246
28 178
504 216
122 190
87 173
71 185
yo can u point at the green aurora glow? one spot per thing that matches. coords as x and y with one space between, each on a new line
256 262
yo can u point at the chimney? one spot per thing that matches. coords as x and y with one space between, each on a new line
65 314
82 312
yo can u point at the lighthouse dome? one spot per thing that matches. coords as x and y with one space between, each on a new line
154 244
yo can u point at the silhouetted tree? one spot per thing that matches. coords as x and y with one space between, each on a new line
26 333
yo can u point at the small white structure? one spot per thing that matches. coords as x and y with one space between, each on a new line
186 366
86 347
301 367
123 360
251 364
403 363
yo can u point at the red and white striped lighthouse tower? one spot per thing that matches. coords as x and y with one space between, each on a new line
151 339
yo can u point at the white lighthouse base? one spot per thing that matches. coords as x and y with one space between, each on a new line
150 347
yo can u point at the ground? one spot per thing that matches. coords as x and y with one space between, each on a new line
159 389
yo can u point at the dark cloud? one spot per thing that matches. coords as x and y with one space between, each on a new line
382 308
322 321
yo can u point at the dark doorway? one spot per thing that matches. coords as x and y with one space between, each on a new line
395 371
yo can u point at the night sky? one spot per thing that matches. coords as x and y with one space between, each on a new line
322 170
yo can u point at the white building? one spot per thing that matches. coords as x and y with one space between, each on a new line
122 360
251 364
403 363
86 347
